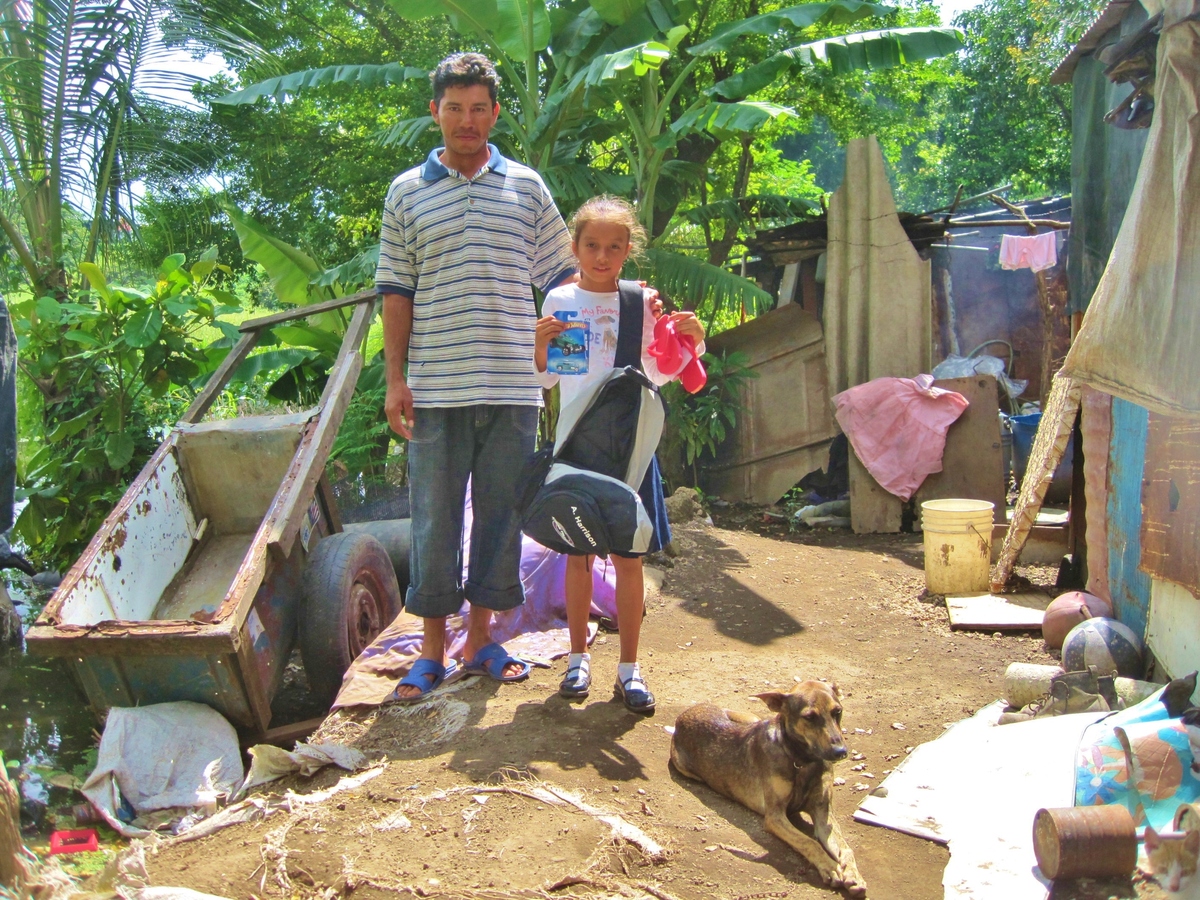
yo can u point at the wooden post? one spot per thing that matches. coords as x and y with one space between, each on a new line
1047 308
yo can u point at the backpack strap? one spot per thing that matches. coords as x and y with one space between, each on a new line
629 326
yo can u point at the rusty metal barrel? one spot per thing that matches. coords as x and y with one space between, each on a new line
1085 841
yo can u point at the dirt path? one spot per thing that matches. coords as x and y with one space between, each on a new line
740 612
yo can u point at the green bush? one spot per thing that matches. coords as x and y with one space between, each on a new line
698 423
112 364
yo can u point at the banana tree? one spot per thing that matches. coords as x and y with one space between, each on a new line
630 79
298 353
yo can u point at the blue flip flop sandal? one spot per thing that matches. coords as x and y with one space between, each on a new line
491 660
419 677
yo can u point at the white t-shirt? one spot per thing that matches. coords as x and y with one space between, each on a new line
601 312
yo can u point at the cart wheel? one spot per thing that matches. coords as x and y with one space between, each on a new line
350 595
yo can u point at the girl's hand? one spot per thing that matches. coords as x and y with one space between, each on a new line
547 329
686 323
653 300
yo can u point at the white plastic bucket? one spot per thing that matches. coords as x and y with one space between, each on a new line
958 545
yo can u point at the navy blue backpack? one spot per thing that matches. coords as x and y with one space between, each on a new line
580 497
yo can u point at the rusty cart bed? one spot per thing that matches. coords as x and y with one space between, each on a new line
224 552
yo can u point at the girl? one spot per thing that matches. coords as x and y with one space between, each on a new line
604 233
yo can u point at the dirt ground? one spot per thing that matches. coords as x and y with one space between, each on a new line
746 608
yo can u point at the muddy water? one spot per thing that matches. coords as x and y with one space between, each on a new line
45 727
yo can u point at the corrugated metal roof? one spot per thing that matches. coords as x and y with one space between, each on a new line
1108 19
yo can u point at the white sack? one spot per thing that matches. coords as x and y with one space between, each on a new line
156 757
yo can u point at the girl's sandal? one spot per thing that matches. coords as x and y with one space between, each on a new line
635 695
577 682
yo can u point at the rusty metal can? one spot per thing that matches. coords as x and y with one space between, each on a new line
1187 818
1085 841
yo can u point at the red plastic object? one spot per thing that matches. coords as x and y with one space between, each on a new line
668 347
82 840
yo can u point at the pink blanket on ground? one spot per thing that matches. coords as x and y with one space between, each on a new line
535 631
897 427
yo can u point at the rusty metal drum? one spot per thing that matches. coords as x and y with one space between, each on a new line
1085 841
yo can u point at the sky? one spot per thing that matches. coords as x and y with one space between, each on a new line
951 8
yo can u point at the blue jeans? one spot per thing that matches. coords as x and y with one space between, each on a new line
489 445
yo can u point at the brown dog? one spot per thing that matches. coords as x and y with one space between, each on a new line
778 767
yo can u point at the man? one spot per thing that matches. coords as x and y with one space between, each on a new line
464 236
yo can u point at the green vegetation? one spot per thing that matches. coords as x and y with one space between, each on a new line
112 365
635 98
698 423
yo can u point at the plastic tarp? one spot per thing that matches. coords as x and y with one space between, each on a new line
897 427
977 788
163 756
1138 338
878 313
965 367
268 762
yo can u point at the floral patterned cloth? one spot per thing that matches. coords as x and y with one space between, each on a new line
1142 759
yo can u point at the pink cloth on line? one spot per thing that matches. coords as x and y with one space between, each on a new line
1029 251
897 427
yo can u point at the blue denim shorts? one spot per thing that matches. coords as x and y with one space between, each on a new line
488 446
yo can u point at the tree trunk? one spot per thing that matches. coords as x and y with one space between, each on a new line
11 631
13 872
695 148
718 250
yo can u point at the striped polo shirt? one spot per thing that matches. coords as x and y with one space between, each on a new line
466 251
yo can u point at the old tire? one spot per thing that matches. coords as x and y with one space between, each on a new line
350 594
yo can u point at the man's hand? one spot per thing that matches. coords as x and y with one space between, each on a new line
398 407
686 323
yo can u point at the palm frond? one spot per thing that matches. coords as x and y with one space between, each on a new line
270 360
724 119
353 272
753 207
693 283
406 132
865 51
374 75
576 181
290 269
234 28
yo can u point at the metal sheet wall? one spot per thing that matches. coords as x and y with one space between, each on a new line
1129 587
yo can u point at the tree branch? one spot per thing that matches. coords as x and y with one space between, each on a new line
23 253
375 19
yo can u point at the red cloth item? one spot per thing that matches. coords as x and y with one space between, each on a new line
897 427
676 353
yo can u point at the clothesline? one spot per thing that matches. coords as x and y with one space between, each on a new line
1004 223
